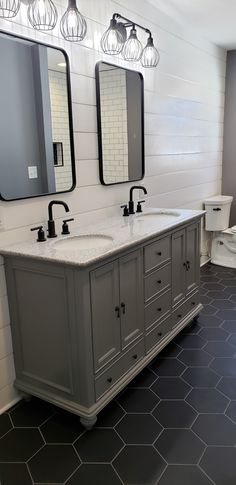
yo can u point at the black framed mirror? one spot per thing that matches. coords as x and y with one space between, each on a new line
120 115
36 129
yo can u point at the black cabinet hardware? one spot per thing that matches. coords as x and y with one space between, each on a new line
41 233
179 316
159 282
117 310
159 253
135 356
123 308
159 309
159 334
217 209
109 380
65 227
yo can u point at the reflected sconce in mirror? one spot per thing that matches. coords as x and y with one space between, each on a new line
43 16
114 41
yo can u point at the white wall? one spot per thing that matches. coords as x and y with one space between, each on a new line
184 100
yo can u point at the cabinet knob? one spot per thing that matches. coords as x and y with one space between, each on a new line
193 303
117 310
179 316
159 309
123 307
109 380
159 334
158 253
135 356
159 282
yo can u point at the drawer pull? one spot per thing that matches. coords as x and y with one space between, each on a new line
117 310
135 356
193 303
179 316
109 380
159 334
159 309
159 282
159 253
123 308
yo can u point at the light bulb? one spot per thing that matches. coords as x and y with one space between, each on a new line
73 24
42 14
133 49
112 40
150 56
9 8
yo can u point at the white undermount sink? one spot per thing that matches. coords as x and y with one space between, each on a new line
83 242
162 215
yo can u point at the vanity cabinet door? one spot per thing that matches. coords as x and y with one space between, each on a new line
178 268
192 258
105 313
131 298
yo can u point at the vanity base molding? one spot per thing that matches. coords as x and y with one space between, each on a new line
89 415
81 334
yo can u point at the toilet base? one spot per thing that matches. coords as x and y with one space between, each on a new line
223 249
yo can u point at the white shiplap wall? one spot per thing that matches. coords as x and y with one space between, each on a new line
184 101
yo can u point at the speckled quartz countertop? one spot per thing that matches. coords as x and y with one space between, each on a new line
117 234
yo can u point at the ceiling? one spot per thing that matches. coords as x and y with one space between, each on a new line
213 19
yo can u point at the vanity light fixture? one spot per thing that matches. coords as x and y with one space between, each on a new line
42 15
9 8
73 24
114 41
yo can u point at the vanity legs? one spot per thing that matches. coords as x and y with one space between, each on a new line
88 423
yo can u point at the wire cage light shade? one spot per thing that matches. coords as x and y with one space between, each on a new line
9 8
42 15
112 41
133 49
150 56
73 25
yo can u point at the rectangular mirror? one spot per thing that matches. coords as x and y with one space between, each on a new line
36 132
120 113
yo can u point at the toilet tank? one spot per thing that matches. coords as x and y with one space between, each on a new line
217 212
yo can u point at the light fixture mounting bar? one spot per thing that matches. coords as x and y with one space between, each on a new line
129 23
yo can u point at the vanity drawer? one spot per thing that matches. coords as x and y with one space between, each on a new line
157 282
185 308
104 382
157 253
158 309
158 333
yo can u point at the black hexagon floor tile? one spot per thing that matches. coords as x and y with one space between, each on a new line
174 414
227 385
63 427
184 474
98 445
220 465
223 304
207 400
54 464
139 465
200 377
31 413
218 295
171 388
193 328
138 400
227 314
179 446
96 474
195 357
229 326
232 339
190 341
138 429
220 349
110 415
209 321
209 310
14 474
214 334
167 367
170 351
215 429
225 367
20 444
5 424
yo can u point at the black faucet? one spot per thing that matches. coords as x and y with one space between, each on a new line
131 202
51 223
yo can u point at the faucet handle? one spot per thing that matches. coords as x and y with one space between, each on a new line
41 233
65 227
139 207
126 210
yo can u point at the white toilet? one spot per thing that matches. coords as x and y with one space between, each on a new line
223 246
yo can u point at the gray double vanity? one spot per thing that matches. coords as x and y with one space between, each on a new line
89 310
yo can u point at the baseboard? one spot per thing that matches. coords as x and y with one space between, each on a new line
204 261
10 404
